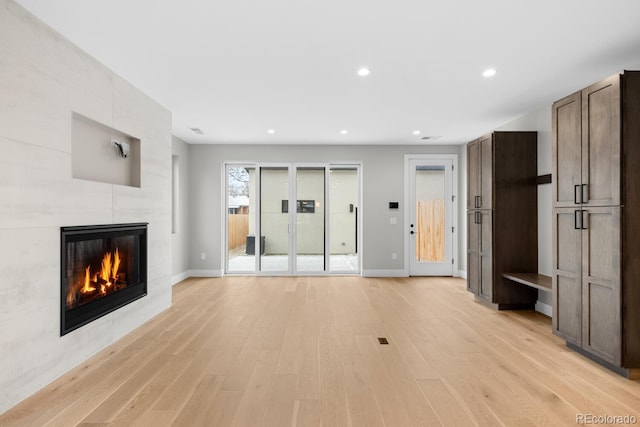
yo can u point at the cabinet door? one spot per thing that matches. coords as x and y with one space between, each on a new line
566 143
473 175
486 255
567 273
486 172
473 252
601 269
601 124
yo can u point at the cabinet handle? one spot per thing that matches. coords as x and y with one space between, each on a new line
476 202
577 220
584 197
576 194
478 218
584 220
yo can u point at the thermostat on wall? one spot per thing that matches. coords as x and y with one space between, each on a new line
393 205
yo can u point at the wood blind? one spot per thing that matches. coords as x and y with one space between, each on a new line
430 230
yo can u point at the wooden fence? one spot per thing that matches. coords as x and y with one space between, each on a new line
238 230
431 233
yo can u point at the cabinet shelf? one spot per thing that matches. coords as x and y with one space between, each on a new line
535 280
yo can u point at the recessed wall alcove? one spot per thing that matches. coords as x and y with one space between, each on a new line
95 157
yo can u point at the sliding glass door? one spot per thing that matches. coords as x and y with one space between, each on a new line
306 217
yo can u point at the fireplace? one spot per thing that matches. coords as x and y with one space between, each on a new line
103 267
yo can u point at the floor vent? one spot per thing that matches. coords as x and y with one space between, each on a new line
383 341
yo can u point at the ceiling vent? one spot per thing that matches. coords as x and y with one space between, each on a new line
197 131
430 138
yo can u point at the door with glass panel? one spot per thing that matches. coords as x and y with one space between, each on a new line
293 208
430 217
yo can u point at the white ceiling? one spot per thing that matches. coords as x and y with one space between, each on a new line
237 68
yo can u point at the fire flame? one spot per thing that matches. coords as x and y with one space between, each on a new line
108 273
116 264
87 281
107 279
105 273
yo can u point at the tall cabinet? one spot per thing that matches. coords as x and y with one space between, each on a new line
502 217
596 221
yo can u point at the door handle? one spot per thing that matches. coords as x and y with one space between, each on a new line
584 196
577 219
576 194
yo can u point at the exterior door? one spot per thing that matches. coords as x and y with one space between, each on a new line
431 226
278 220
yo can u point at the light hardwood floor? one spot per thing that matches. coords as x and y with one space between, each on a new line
303 351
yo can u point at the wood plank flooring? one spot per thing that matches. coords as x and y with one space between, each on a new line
303 351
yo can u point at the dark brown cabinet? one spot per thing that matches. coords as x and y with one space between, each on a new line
596 222
480 161
586 132
502 212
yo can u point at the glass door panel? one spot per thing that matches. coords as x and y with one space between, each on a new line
274 219
343 219
241 192
430 224
310 219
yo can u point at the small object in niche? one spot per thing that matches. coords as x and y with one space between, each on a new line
122 148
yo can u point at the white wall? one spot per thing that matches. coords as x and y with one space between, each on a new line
383 181
43 79
180 238
540 121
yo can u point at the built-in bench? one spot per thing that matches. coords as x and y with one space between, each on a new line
535 280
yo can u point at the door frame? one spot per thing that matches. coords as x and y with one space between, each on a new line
454 206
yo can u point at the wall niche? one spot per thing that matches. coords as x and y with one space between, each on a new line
101 153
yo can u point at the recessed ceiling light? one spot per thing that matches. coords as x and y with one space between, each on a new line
271 131
416 132
344 132
489 72
364 72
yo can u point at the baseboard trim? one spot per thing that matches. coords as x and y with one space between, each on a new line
205 273
177 278
462 274
384 273
194 273
544 308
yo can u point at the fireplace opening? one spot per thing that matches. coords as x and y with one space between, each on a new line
103 267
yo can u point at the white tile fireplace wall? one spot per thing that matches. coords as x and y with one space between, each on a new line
43 79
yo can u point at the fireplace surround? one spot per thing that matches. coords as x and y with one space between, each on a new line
103 267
